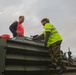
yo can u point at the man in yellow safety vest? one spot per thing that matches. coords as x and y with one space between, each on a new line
52 40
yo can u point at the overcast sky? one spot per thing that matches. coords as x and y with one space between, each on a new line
62 14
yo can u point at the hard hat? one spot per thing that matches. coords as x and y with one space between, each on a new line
5 36
45 19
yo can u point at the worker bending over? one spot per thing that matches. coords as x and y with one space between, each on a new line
53 41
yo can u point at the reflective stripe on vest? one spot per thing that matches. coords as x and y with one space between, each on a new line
54 33
50 28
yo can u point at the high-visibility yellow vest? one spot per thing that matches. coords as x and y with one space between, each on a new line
54 36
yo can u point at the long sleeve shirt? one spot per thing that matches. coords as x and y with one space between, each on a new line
13 28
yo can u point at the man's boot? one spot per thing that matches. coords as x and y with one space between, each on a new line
62 69
53 65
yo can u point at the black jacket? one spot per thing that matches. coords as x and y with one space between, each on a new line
13 28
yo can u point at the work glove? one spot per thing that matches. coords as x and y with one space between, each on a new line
34 37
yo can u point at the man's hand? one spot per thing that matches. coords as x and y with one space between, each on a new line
38 37
35 37
18 32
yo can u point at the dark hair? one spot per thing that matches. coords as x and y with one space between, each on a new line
20 17
45 19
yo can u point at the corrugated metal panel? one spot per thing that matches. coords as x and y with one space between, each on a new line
2 56
25 57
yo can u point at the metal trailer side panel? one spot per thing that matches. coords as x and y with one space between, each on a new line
2 55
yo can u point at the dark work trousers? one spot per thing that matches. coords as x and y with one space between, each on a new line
55 53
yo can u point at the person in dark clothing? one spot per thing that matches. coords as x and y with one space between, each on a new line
13 26
69 56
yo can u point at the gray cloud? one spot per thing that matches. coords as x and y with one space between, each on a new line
62 14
